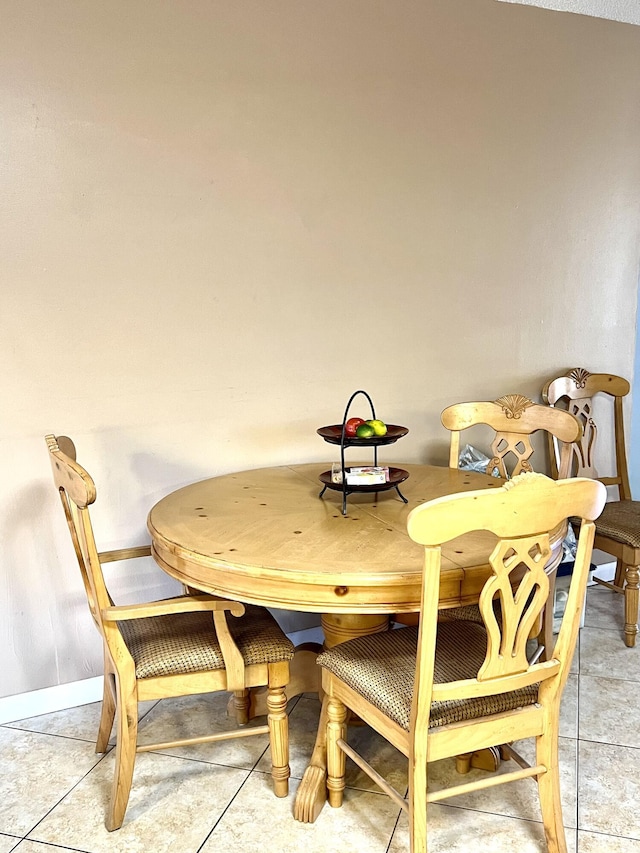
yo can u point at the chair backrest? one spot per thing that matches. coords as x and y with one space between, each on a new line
575 392
77 492
514 418
521 515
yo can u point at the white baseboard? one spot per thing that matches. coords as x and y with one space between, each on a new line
49 699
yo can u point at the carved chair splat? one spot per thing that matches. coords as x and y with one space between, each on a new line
618 528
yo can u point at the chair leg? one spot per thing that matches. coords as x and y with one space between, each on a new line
549 789
241 706
336 759
108 713
127 728
417 801
278 738
631 605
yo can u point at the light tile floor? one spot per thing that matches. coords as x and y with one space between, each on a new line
54 788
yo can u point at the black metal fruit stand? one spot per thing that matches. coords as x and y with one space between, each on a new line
336 434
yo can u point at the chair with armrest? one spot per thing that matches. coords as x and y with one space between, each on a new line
441 689
176 647
618 528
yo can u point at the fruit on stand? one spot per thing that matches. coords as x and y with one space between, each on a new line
378 426
352 425
365 430
359 428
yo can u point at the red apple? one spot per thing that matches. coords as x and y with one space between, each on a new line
352 425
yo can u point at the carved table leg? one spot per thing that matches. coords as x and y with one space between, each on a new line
340 627
631 606
312 791
483 759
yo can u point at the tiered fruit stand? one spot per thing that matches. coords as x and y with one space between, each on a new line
336 434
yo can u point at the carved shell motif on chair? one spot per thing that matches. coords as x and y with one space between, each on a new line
513 405
579 376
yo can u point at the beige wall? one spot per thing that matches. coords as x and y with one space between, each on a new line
218 219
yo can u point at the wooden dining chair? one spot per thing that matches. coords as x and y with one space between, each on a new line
514 418
618 528
446 688
176 647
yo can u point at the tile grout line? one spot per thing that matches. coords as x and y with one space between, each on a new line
222 837
395 825
252 770
224 811
66 794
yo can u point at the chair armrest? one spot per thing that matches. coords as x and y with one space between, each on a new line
233 660
182 604
124 554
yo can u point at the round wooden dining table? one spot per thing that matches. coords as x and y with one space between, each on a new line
265 537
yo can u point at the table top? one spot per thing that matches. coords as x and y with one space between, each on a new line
264 536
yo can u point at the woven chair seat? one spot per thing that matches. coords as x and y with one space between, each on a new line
187 642
620 520
467 613
381 668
